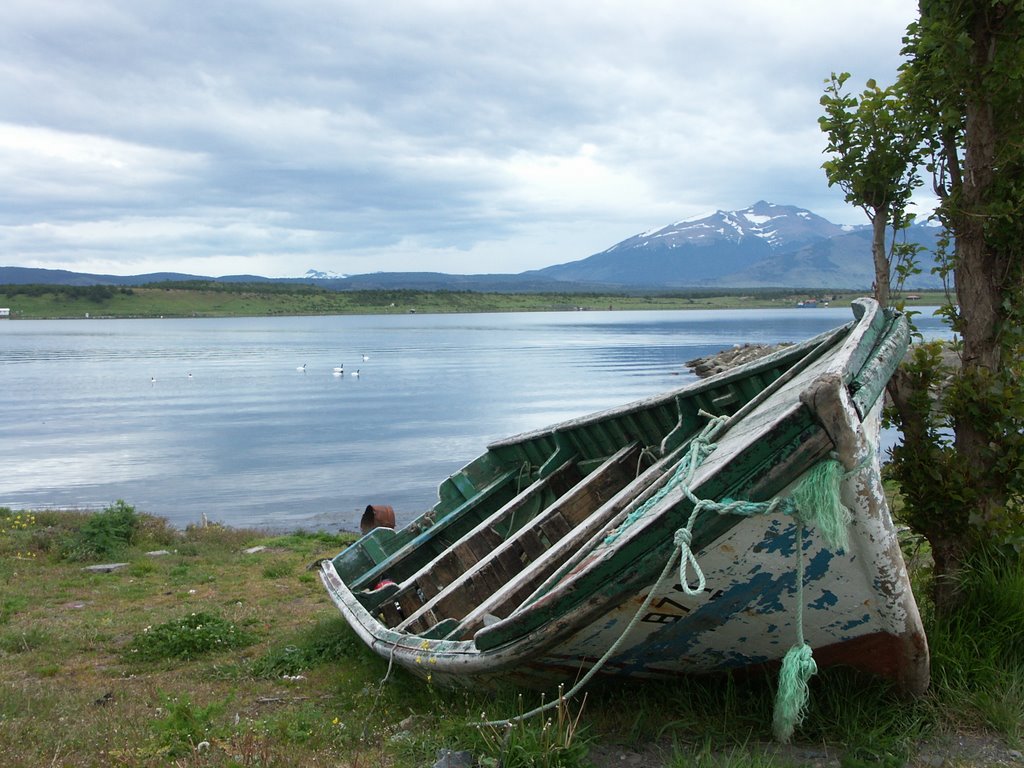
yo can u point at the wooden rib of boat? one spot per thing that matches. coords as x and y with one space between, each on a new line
547 553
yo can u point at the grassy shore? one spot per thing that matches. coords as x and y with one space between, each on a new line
232 299
216 646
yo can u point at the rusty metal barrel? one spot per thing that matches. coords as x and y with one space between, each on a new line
377 516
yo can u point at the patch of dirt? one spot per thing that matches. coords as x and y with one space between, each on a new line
954 751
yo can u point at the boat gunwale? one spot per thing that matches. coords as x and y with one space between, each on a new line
796 351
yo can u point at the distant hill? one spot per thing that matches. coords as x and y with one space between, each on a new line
763 246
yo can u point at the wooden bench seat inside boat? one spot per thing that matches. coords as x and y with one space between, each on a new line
476 543
531 579
426 544
505 562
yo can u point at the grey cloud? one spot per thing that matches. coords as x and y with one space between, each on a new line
352 133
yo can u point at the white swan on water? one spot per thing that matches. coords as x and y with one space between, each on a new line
365 358
339 368
356 373
301 368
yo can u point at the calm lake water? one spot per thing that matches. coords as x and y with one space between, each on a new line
185 418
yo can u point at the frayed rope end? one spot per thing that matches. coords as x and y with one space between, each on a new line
818 503
793 694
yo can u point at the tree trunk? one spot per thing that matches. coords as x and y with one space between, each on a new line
913 401
948 558
879 223
979 267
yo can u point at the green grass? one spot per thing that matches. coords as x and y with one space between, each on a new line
187 638
242 660
978 652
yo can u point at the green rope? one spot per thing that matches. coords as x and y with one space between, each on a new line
814 501
817 502
700 448
798 665
791 699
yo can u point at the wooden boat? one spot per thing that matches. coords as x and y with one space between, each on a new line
545 557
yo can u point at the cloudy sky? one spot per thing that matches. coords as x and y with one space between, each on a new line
274 136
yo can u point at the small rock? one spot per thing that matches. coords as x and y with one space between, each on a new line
1015 754
722 361
448 759
158 553
409 723
105 568
253 550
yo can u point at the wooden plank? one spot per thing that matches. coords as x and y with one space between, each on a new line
530 542
423 545
449 562
871 380
562 555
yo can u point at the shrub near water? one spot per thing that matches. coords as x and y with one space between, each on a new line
104 534
187 638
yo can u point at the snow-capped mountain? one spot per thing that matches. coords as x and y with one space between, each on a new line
778 226
316 274
700 251
765 245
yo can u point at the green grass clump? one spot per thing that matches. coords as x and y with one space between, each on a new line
23 641
329 640
188 637
10 605
978 649
104 534
277 570
555 739
184 725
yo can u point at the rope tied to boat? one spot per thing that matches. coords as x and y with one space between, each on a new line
813 501
700 448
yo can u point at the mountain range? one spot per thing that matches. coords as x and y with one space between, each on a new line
763 246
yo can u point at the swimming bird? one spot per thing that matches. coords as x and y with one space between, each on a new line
301 368
152 379
365 358
339 368
356 373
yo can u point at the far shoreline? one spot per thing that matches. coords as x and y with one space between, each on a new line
156 301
